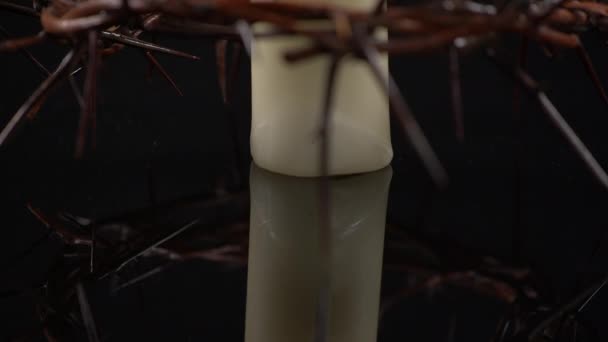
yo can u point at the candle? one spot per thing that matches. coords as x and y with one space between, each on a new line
286 265
287 103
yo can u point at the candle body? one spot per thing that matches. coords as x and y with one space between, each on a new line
287 106
286 264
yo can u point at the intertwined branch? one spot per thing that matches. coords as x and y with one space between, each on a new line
104 27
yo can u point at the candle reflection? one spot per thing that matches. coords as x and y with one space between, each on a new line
285 264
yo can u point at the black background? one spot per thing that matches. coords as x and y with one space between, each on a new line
517 189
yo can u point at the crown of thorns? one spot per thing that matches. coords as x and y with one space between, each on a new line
98 28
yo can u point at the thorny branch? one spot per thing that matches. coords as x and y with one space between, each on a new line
414 28
33 102
321 329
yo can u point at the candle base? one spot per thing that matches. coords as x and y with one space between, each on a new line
353 150
287 104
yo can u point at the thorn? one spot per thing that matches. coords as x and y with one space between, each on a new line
233 70
379 7
28 54
76 91
121 38
595 292
245 32
38 215
31 115
522 61
220 61
87 314
139 278
456 92
567 131
155 63
92 251
79 221
322 307
87 115
135 254
76 71
586 59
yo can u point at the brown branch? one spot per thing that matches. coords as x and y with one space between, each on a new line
191 27
155 63
17 44
322 312
27 54
456 92
556 118
19 9
221 47
586 59
403 113
87 314
40 93
87 115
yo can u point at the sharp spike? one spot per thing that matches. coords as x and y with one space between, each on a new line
87 314
28 54
17 44
586 59
156 64
135 42
221 47
456 93
87 116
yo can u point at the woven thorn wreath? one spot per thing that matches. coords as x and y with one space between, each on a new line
97 29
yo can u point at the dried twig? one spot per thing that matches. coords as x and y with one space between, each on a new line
403 114
87 314
45 72
586 59
87 116
40 93
128 256
322 312
456 93
556 118
163 72
18 44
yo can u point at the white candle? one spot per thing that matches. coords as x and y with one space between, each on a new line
287 107
286 265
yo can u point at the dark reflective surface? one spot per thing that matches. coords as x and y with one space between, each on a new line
515 241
